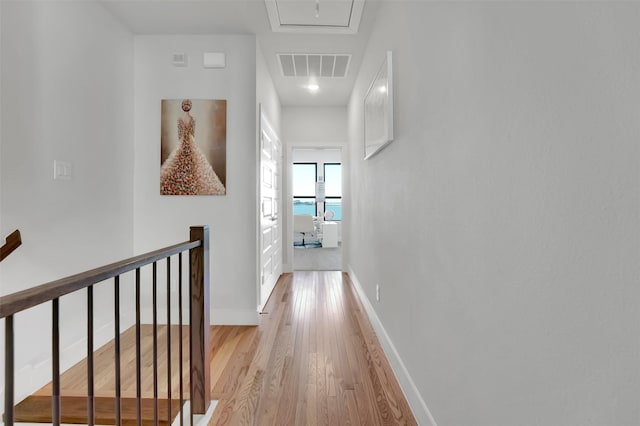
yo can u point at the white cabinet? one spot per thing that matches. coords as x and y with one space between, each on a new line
330 234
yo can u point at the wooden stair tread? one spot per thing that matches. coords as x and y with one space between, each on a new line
73 409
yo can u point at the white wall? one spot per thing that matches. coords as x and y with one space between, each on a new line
506 233
163 220
310 127
314 126
67 94
266 93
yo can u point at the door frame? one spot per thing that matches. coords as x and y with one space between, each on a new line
259 217
287 171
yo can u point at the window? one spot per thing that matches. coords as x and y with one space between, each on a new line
304 188
305 176
333 189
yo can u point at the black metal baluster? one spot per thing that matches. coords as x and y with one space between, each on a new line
8 370
138 354
190 287
169 339
90 397
116 297
155 343
55 363
180 337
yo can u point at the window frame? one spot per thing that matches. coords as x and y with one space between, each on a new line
314 195
333 197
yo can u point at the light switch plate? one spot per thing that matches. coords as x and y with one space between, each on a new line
62 170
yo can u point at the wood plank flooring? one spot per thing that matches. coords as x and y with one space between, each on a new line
313 360
317 361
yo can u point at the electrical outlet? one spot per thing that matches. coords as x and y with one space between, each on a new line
378 292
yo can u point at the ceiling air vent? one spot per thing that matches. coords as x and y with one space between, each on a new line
317 65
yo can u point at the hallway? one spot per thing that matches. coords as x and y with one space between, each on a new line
317 361
313 360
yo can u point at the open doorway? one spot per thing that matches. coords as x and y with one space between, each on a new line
317 209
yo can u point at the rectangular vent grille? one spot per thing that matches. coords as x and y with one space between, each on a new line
316 65
179 59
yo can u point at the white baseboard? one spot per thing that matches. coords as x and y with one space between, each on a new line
415 400
198 419
234 317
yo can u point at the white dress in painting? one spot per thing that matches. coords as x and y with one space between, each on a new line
186 171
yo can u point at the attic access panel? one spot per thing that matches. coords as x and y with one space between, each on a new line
315 16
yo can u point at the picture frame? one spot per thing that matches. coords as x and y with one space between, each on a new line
378 109
193 147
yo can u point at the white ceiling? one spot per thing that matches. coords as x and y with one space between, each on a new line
250 17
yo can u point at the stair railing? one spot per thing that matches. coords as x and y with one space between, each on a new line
12 242
200 398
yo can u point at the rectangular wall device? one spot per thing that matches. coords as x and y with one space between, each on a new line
214 60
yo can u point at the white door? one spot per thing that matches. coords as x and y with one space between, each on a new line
270 220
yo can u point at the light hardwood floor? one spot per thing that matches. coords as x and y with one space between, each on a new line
317 361
313 360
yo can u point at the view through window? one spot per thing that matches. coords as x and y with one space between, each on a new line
305 176
304 188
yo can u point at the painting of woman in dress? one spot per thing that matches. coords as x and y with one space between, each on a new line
193 157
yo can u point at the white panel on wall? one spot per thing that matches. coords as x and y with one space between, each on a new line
267 270
214 60
267 206
277 255
267 239
267 176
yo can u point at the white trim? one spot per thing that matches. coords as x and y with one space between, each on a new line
265 289
260 308
234 317
198 419
258 210
415 400
277 27
287 239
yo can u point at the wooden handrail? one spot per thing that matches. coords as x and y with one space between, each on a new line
31 297
12 242
198 247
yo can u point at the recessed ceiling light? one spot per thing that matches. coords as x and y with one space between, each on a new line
313 87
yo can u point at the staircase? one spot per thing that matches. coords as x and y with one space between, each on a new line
143 376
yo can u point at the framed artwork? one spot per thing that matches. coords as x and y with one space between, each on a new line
193 147
378 110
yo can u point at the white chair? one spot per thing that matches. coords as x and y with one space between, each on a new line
303 223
